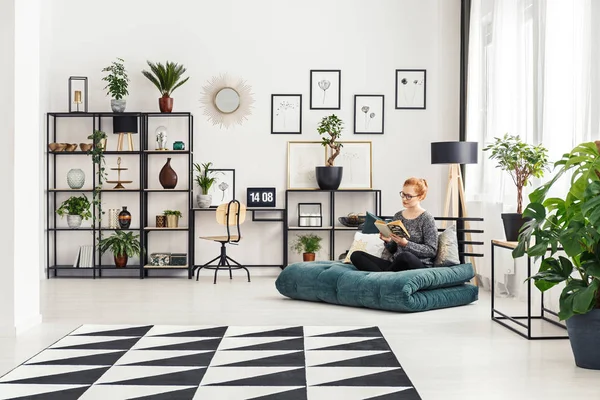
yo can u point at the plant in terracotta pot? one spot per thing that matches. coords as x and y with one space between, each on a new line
205 179
522 161
572 223
76 208
166 78
172 218
307 245
329 177
123 245
117 85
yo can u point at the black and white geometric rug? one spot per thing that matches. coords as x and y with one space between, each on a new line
158 362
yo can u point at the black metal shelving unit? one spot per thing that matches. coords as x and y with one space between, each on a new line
144 154
331 228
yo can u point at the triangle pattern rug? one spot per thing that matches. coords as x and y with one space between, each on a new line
155 362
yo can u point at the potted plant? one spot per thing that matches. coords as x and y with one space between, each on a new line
522 161
76 209
123 245
329 177
117 85
99 139
205 179
573 224
308 245
166 78
172 218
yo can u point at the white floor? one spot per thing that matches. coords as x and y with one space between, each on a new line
456 353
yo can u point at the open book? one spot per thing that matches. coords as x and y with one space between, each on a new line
394 227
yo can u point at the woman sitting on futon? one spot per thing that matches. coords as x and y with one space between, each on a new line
402 254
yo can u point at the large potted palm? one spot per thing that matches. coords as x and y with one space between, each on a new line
573 224
522 161
166 78
123 245
329 177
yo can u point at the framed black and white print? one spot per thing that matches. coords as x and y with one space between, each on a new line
369 113
325 89
286 113
411 89
223 190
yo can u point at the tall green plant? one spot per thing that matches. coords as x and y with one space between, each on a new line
117 79
121 243
572 223
331 126
521 160
75 205
97 153
205 178
165 77
309 243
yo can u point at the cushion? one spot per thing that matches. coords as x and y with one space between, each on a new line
369 225
407 291
367 242
447 254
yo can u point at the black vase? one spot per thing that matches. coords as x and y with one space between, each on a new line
583 334
124 218
512 225
329 178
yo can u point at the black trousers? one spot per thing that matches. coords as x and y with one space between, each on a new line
367 262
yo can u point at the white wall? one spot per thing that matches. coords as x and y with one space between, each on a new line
272 45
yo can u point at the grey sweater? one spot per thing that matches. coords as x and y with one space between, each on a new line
423 241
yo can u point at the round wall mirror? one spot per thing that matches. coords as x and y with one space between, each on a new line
227 100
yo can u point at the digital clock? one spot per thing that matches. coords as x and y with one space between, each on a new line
260 197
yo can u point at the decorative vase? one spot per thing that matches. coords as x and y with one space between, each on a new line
172 221
168 176
204 200
118 106
165 104
124 218
161 221
585 342
121 261
329 178
114 220
308 256
178 145
161 138
74 221
75 178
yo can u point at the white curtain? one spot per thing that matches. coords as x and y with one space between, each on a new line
533 72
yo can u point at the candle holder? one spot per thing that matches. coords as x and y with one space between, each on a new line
119 182
78 94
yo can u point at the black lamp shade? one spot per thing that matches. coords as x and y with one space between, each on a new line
454 153
125 124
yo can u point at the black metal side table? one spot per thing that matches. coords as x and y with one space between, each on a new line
529 317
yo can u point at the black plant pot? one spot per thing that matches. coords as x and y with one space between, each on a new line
583 334
329 178
512 225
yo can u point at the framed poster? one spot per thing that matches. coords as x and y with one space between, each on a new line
325 89
223 190
356 158
286 113
302 158
368 113
411 89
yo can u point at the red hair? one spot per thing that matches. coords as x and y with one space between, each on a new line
420 185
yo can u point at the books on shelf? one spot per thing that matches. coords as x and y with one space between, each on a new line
84 257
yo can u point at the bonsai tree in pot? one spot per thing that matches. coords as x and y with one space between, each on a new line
166 78
117 84
522 161
307 245
329 177
573 224
123 245
205 179
76 208
172 218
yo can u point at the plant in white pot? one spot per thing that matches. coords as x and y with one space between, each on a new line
573 224
522 161
117 85
76 208
205 179
329 177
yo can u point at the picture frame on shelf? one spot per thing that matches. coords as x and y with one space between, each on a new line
325 89
310 214
411 89
223 190
286 114
78 94
302 158
357 159
369 110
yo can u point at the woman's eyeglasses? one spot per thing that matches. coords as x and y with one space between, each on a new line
407 196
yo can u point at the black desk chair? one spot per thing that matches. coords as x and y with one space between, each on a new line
228 214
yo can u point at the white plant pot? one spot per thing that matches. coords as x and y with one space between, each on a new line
74 221
204 200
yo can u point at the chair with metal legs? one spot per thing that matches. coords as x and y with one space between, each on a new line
228 214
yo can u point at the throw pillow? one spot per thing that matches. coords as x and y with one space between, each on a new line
447 254
369 225
367 242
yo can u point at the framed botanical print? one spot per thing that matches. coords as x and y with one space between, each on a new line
368 113
302 159
411 89
325 89
286 113
223 190
357 160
